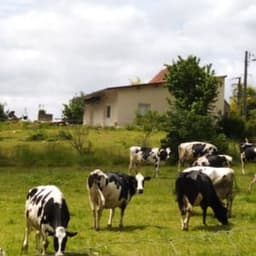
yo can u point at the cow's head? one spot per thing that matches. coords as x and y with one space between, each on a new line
164 153
140 182
98 178
60 237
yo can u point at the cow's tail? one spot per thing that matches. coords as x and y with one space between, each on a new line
99 196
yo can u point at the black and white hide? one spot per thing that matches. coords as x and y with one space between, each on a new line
109 190
247 153
214 161
223 179
139 155
46 212
189 151
195 188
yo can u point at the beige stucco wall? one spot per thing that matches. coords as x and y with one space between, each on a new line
129 99
124 104
95 113
219 105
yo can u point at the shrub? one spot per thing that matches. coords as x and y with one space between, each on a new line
37 136
233 126
80 141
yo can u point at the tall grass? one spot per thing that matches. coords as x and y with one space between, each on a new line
151 221
42 145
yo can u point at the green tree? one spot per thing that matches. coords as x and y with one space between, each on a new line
235 126
195 89
3 114
73 112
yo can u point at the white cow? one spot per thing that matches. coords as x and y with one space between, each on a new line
46 212
223 180
214 161
190 151
155 155
109 190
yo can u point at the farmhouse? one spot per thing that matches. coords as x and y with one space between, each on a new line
117 106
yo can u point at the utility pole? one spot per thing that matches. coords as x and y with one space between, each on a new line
239 94
244 110
247 58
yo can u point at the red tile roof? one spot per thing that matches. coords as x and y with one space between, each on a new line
159 77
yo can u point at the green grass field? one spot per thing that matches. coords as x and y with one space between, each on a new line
151 222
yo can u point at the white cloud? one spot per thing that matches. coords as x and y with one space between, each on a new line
52 50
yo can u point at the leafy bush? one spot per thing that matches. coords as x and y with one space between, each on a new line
80 141
233 126
64 135
149 122
37 136
185 126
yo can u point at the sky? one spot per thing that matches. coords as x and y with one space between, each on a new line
52 50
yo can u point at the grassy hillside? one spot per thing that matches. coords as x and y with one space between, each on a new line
152 220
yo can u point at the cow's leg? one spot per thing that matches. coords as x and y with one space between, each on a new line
188 212
204 208
44 235
111 215
156 169
38 236
45 244
26 238
94 218
121 224
98 216
242 157
130 166
229 203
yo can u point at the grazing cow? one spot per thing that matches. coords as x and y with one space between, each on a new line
190 151
214 160
110 190
46 211
247 153
196 188
223 179
146 154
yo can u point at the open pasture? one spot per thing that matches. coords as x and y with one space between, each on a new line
152 219
151 222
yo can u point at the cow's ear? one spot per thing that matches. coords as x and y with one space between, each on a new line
147 178
71 234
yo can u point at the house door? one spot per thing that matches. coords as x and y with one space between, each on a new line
108 116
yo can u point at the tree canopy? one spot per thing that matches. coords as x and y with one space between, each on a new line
195 89
193 86
74 110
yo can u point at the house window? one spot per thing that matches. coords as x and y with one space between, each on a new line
108 111
143 108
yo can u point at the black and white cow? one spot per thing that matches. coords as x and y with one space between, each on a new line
108 190
214 161
155 155
190 151
247 153
46 211
223 179
195 188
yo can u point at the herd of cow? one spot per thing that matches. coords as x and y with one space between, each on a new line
207 182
